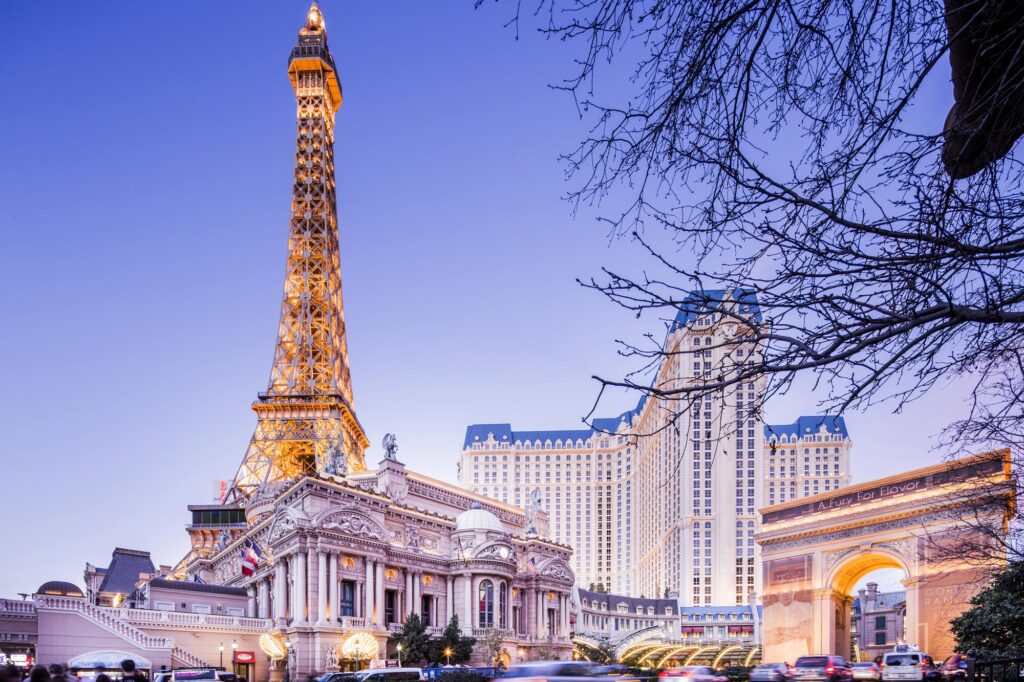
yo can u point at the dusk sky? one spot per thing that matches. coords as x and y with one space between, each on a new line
145 181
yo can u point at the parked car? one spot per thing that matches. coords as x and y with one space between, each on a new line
954 668
770 672
867 671
692 673
826 668
556 671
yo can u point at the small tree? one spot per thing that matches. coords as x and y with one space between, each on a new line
493 642
995 621
413 639
452 639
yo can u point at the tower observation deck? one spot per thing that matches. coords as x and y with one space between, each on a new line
306 418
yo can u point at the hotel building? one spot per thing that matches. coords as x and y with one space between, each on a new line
662 500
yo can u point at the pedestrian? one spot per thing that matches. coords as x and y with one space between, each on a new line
39 674
10 673
102 677
128 672
57 672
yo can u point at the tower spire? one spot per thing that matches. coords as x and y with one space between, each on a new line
306 419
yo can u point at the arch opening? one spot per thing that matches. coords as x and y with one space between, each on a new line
869 605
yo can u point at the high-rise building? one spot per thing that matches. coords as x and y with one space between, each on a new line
663 499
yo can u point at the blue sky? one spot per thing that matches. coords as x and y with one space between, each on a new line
144 193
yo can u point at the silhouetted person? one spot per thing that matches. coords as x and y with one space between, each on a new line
129 673
10 673
102 677
39 674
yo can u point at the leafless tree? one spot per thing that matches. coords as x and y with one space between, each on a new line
792 148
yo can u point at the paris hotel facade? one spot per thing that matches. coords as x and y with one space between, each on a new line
672 513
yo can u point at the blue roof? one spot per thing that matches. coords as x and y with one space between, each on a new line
503 433
808 425
699 302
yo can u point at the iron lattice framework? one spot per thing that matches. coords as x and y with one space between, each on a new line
307 423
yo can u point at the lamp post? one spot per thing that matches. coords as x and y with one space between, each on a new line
221 647
448 655
399 655
234 648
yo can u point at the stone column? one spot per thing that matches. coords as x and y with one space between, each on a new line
566 626
321 587
467 610
508 605
280 584
301 593
250 605
449 599
913 630
261 598
408 594
416 580
358 598
541 615
379 584
370 615
332 560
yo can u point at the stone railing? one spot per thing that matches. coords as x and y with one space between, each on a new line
394 627
353 622
435 630
105 618
487 632
157 618
21 606
188 658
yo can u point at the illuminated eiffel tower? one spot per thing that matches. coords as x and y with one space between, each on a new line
307 424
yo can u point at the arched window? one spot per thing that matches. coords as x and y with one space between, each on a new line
502 604
486 604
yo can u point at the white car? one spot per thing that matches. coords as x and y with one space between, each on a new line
691 673
905 665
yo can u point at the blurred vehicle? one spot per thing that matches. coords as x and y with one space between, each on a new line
907 664
770 672
377 675
555 671
828 668
692 673
867 671
954 668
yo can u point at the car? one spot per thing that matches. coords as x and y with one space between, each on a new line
770 672
907 664
692 673
557 671
954 668
377 675
824 667
867 671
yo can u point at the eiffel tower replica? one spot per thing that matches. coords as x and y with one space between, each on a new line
306 418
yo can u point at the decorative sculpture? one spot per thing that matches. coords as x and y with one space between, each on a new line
531 512
390 444
337 463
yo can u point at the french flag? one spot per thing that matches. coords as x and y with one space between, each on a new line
251 555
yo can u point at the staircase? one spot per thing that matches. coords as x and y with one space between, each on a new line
109 621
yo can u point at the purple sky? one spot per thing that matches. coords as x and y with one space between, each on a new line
144 194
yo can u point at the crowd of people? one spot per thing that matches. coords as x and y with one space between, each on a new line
61 673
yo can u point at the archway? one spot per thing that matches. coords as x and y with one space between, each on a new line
870 599
815 550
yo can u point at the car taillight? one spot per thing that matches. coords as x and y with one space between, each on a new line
663 673
830 670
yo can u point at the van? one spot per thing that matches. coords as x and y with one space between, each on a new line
905 664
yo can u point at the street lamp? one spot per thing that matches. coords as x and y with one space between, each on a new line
221 647
234 648
448 655
399 655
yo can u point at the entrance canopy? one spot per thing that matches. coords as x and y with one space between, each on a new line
108 659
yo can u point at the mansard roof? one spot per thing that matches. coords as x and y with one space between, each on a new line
808 425
191 586
697 303
125 567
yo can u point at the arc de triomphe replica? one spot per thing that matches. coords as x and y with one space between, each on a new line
935 524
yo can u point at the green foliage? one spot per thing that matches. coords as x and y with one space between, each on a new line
493 645
414 640
995 621
451 638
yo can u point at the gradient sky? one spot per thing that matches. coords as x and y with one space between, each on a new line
145 177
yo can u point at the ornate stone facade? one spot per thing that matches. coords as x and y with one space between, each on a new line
815 550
